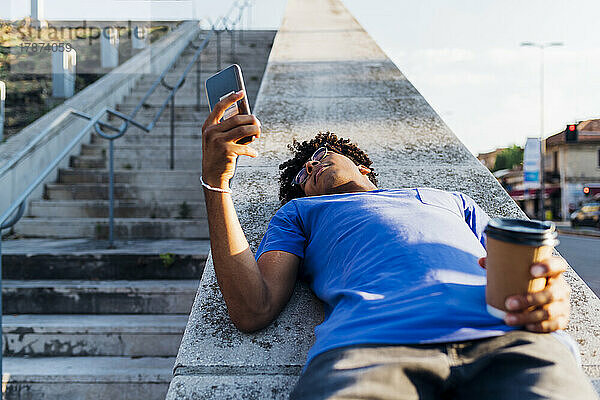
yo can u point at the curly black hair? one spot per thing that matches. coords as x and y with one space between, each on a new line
304 150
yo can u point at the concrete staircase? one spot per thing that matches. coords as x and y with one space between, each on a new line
82 321
151 201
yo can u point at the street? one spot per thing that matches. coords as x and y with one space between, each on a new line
583 254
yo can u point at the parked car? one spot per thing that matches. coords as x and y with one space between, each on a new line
588 214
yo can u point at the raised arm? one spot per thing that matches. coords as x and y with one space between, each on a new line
255 292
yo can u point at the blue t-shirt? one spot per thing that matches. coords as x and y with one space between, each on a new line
391 266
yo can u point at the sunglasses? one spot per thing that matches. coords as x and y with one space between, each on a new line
318 155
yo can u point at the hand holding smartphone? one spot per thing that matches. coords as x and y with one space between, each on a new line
221 85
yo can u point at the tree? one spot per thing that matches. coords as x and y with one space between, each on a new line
508 158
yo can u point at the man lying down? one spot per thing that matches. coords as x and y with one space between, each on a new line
400 275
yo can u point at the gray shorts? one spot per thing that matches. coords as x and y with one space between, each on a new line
517 365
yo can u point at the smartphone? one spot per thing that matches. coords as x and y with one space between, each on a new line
221 85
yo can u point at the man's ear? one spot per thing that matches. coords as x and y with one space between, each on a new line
364 170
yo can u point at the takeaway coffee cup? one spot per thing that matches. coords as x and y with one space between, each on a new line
514 245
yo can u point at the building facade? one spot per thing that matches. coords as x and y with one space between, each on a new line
573 164
571 172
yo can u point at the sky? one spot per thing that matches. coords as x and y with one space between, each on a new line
464 56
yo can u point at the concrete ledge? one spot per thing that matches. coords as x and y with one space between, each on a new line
326 73
249 387
212 343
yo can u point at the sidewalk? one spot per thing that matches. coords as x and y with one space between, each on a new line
566 228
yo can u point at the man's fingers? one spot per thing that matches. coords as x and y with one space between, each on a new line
235 121
548 268
551 311
523 302
217 113
243 150
242 131
482 261
558 290
547 310
549 325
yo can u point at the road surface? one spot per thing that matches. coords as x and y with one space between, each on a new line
583 253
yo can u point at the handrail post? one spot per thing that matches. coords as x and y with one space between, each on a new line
198 82
242 27
249 15
232 35
173 131
218 50
111 194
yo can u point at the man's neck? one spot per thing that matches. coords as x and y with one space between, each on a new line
353 186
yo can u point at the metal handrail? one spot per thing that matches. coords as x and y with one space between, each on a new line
19 156
19 203
17 209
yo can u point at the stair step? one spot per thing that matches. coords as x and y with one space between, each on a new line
98 297
100 248
182 129
156 137
124 191
145 177
139 157
101 266
115 378
161 129
124 228
143 150
182 112
126 163
182 124
122 209
88 162
55 335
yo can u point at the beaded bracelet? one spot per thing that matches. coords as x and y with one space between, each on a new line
214 189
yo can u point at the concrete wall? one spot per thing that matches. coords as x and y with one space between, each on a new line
326 73
582 161
20 166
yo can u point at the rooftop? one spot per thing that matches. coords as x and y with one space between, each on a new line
589 132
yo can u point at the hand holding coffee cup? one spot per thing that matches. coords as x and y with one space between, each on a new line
525 282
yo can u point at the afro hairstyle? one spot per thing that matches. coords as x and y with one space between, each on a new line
304 150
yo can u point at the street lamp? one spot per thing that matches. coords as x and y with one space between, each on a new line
542 46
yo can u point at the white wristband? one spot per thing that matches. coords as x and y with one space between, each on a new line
214 189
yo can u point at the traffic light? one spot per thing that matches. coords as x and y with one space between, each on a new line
586 190
571 133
